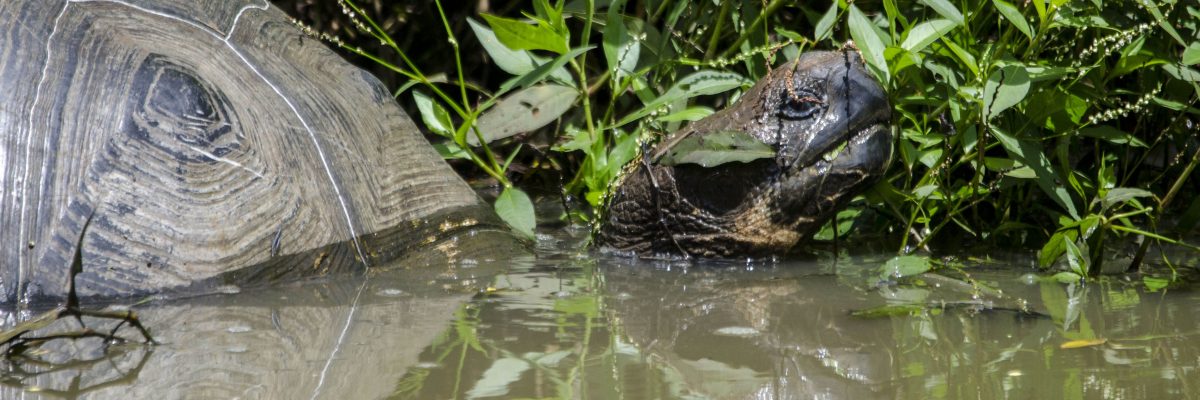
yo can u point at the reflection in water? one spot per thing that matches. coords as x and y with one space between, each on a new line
570 326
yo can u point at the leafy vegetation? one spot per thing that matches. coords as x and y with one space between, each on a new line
1064 126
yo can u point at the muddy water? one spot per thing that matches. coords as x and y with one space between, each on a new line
567 324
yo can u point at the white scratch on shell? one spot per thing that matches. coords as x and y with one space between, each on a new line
22 264
215 157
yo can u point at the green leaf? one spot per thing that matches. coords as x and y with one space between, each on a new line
1067 277
946 9
902 266
926 33
716 148
689 114
518 35
542 71
869 43
514 62
449 151
1030 153
625 149
1112 135
1121 195
1076 260
825 25
844 221
1005 88
898 310
620 49
1053 249
697 84
1154 284
1191 55
1182 73
434 115
515 208
1013 15
523 111
1163 23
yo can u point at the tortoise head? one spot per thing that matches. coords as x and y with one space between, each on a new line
828 122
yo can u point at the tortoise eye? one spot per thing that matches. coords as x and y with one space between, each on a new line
800 105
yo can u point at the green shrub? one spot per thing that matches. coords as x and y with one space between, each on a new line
1040 124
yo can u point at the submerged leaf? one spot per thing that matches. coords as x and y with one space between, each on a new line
896 310
1075 344
713 149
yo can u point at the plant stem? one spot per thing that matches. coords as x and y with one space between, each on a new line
771 7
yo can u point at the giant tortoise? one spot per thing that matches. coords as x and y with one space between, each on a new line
827 125
211 143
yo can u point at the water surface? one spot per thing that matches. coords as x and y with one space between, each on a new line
572 324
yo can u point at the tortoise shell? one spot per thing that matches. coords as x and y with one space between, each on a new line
211 142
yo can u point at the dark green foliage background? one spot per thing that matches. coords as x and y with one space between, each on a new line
1064 126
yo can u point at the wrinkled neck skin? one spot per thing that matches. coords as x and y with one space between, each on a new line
829 123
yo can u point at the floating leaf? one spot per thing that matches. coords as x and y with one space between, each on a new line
869 43
1005 88
1075 344
898 310
902 266
523 111
515 208
926 33
713 149
518 35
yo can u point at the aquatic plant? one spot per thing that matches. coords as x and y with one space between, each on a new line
1061 126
